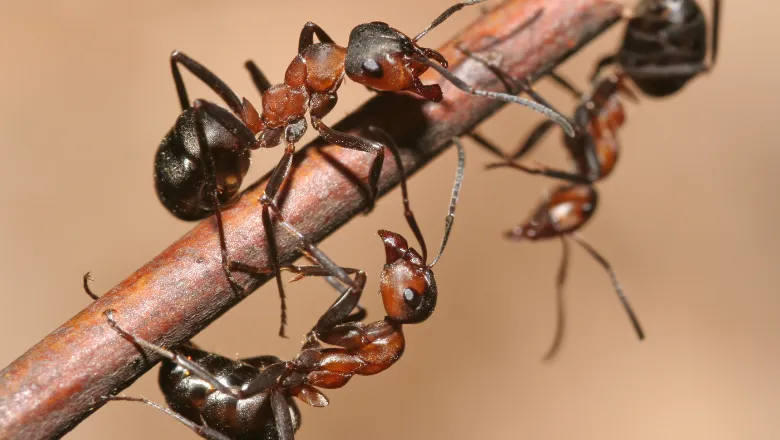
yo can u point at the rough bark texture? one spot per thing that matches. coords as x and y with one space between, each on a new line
53 386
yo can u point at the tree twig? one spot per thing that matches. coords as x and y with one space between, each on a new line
55 384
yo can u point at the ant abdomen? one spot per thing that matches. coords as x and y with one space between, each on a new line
180 177
195 399
682 27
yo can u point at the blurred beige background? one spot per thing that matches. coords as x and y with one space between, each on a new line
687 219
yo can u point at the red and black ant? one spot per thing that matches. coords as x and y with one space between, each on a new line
665 45
225 399
202 161
594 152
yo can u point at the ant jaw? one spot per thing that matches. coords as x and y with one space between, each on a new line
396 246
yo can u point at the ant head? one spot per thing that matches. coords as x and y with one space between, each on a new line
564 211
406 283
381 57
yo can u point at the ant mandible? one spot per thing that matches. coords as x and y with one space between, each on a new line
221 399
665 45
377 56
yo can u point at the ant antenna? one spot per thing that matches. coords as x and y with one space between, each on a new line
389 142
444 16
454 200
560 325
533 105
618 288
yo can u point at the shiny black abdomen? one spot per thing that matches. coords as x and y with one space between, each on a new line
179 176
650 41
194 399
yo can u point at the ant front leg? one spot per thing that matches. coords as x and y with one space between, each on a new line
308 271
321 105
307 36
269 200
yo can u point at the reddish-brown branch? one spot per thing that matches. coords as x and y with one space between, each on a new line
53 386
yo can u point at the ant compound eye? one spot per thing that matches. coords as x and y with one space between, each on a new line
412 298
372 68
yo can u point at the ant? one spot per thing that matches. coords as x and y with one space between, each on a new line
223 399
203 408
377 55
594 151
665 45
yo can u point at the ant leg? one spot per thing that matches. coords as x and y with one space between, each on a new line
566 84
278 176
560 281
602 64
672 71
174 357
618 288
258 77
486 144
540 108
306 271
205 75
208 162
229 122
388 141
353 142
281 410
86 280
544 171
307 36
509 161
202 431
715 30
340 312
532 140
444 16
273 257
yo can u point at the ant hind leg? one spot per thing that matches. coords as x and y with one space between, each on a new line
202 430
